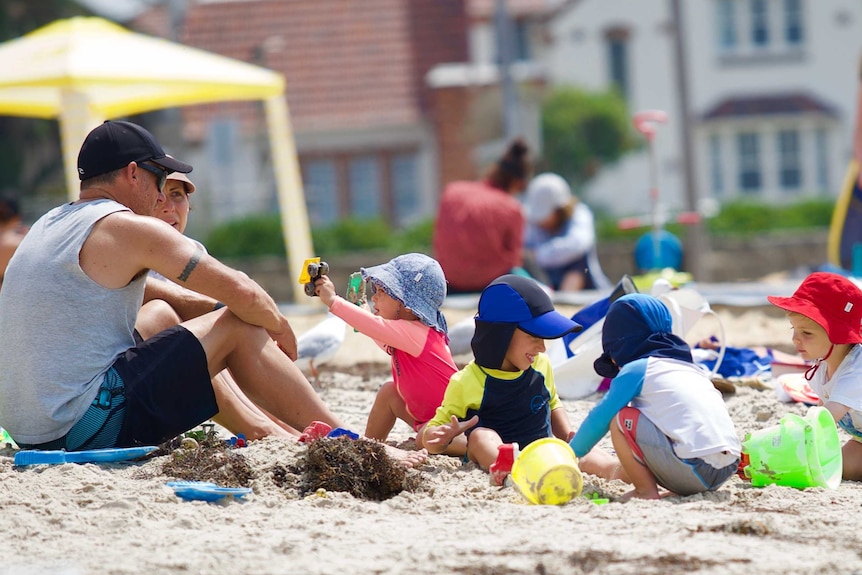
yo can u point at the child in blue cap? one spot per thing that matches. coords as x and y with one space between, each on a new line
408 325
506 395
668 423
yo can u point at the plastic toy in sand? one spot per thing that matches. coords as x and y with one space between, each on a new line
53 457
798 452
546 472
791 387
203 491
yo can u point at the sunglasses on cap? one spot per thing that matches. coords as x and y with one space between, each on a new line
160 173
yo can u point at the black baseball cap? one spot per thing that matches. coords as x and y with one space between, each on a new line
113 144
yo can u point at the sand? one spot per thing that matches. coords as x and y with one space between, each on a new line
77 519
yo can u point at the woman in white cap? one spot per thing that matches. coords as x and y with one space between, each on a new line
561 236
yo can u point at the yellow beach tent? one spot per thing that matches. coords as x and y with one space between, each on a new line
83 71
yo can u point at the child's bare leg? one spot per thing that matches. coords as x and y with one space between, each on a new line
602 464
482 448
641 477
388 407
852 456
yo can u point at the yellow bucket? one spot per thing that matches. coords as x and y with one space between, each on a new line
546 472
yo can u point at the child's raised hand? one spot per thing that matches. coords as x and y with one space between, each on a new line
324 288
437 439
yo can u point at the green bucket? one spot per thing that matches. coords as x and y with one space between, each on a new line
798 452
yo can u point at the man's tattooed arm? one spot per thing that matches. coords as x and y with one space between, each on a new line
193 262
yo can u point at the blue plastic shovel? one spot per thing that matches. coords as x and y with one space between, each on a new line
36 457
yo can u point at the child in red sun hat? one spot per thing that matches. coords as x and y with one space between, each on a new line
825 313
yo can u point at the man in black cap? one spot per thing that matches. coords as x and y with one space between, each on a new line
72 376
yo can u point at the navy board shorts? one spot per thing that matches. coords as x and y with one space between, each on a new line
153 392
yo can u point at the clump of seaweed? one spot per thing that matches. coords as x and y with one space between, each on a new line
359 467
209 459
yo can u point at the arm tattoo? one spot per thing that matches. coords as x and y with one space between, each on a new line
196 257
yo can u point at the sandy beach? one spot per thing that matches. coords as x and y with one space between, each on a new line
78 519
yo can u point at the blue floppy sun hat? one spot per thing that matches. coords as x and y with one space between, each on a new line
417 281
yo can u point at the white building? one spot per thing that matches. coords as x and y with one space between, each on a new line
772 87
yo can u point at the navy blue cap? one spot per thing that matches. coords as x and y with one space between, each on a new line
114 144
514 299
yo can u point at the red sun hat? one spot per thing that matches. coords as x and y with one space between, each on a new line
833 301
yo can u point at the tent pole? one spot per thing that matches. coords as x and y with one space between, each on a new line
291 199
76 121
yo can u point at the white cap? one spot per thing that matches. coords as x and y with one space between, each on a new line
190 185
546 193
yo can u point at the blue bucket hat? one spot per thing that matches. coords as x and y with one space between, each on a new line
417 281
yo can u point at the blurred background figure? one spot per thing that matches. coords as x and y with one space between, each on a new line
560 238
479 230
12 231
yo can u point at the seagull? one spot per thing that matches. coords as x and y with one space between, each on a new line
460 336
320 344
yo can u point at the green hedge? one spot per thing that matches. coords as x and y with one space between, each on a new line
261 235
740 218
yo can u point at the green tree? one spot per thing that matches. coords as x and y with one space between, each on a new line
582 130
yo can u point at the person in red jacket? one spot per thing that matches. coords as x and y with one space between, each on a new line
480 224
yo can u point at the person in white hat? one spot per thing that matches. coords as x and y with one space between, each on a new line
560 235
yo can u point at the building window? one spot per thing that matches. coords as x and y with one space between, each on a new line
789 167
821 158
365 187
617 57
726 21
521 41
716 174
749 162
759 23
405 188
616 41
793 22
321 192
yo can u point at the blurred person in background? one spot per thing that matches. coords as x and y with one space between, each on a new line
12 231
479 230
560 238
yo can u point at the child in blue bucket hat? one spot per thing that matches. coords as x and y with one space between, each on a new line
407 324
668 423
506 397
825 313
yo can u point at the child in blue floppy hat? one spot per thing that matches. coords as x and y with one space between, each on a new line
668 423
408 325
825 313
506 395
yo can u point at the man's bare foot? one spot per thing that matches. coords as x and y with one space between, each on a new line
405 457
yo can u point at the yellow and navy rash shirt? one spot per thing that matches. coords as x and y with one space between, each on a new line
515 404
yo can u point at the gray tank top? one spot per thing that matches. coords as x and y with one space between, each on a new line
59 330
